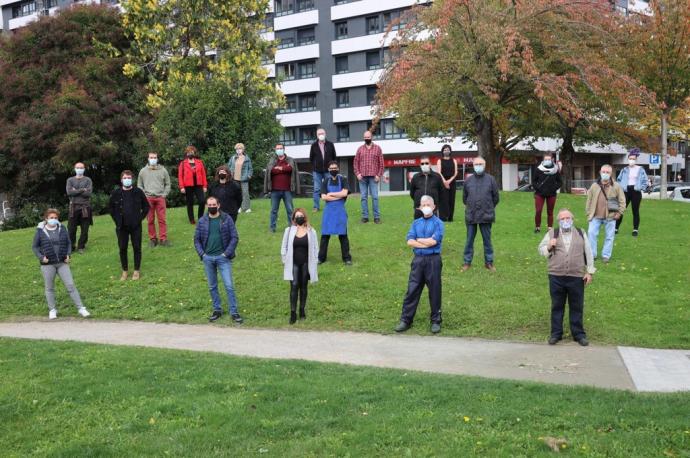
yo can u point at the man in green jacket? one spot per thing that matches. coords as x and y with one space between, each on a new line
154 180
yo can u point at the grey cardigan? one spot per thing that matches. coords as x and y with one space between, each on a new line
286 253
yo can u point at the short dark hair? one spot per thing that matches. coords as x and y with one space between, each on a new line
333 163
127 172
214 198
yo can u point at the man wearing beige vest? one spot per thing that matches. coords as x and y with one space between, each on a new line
571 266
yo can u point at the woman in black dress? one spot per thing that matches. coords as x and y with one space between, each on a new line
227 191
448 169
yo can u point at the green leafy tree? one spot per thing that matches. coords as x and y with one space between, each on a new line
64 99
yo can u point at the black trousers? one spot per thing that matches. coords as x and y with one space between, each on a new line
634 197
77 220
344 247
424 270
191 194
124 234
572 289
299 285
446 208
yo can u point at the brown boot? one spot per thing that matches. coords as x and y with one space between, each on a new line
123 277
466 267
136 275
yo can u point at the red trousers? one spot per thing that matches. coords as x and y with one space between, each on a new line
157 210
539 206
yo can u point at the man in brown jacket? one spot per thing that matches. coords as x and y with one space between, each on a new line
605 205
571 266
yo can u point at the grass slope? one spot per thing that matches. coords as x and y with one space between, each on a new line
641 298
69 399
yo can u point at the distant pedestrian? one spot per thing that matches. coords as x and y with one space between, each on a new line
282 181
191 176
128 207
368 166
53 248
480 196
571 266
547 182
334 191
241 170
321 153
215 241
425 183
425 238
227 191
299 253
605 205
448 169
633 179
79 190
154 180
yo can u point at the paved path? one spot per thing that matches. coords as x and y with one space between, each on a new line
565 363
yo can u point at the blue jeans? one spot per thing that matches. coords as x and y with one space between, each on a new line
369 185
276 197
318 178
485 229
213 264
593 234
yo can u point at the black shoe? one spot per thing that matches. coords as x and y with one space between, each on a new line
377 220
302 313
616 230
537 230
554 340
365 220
80 251
348 262
583 341
237 318
320 261
153 243
293 317
635 233
215 315
402 326
435 328
164 243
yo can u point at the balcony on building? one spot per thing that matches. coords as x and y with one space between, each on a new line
295 13
342 10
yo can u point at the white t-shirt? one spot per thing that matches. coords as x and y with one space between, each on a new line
633 174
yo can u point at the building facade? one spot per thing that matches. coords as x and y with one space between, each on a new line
15 14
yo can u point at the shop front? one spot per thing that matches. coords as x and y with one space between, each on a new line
399 171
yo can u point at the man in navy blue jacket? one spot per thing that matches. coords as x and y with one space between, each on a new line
215 240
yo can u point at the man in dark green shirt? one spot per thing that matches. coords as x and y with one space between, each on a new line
215 240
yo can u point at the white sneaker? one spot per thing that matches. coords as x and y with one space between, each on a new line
52 314
83 312
239 210
249 210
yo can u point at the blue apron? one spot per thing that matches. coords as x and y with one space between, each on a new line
334 214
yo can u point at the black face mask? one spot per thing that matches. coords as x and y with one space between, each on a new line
367 141
212 210
190 156
300 220
222 176
334 173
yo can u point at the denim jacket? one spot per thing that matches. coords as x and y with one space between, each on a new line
640 184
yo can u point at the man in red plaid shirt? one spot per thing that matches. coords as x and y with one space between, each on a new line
369 170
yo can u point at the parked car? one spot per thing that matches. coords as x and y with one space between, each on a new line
681 194
525 188
653 192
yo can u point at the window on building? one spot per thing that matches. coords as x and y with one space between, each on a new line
307 69
343 132
308 135
287 42
283 7
340 30
386 56
287 71
391 130
307 102
306 36
289 136
371 95
24 9
342 2
373 60
396 18
341 64
290 104
305 5
373 25
342 99
376 133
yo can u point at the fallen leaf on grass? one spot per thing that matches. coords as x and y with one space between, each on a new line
554 443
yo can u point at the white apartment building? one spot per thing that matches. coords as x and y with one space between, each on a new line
15 14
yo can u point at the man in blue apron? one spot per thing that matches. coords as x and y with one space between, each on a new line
334 191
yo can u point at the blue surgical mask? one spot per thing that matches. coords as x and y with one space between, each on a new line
566 224
478 169
548 163
280 152
53 221
79 171
126 182
153 162
605 176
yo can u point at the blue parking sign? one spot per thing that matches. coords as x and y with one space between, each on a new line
654 159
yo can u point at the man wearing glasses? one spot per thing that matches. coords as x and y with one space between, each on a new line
426 183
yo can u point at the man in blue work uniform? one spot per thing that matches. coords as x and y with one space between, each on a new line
425 237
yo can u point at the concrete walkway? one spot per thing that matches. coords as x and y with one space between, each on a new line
565 363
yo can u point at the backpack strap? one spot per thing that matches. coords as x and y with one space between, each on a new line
556 231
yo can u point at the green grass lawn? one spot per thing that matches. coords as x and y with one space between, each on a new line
71 399
641 298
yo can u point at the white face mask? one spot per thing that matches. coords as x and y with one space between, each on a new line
52 221
79 171
153 162
566 223
427 211
322 138
426 168
631 162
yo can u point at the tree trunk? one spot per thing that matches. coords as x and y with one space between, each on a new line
486 148
664 150
567 156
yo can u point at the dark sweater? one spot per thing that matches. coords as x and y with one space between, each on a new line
229 195
128 208
425 184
